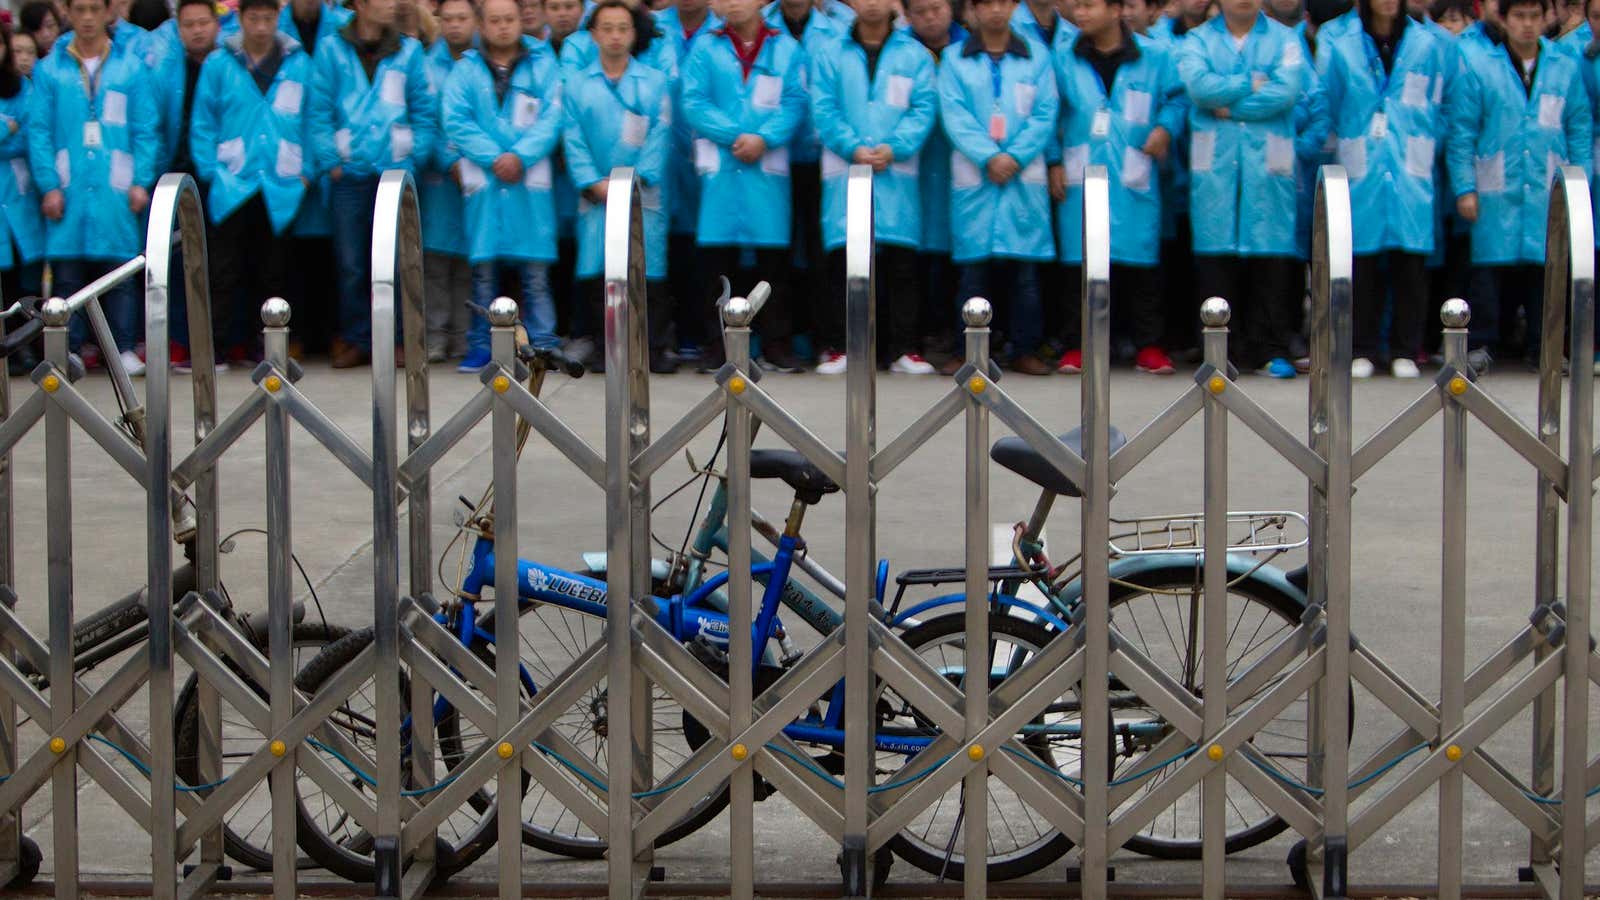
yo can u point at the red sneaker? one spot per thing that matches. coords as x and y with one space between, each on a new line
1154 361
90 354
178 356
1071 362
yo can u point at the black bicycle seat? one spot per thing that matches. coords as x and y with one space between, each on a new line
1015 454
796 471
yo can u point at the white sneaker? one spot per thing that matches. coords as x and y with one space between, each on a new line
912 364
1361 367
832 363
131 363
1404 368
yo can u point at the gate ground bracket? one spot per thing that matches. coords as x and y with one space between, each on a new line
224 872
1075 874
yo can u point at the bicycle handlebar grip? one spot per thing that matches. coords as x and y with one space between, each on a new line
21 337
758 298
552 358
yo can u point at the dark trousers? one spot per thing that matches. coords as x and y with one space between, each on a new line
1259 289
1451 280
571 316
1406 286
313 291
938 318
351 201
658 309
248 264
1012 287
685 285
1180 290
121 303
1497 293
808 279
772 266
898 303
1136 306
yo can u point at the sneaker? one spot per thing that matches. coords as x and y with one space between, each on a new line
476 361
178 357
90 354
1277 368
1597 363
779 359
833 363
1071 362
909 364
579 348
436 354
1302 364
1361 367
1154 361
131 363
1029 364
1404 368
951 365
662 363
1480 360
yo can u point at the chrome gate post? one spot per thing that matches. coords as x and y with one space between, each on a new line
1453 594
1214 316
736 317
275 314
58 525
507 547
975 314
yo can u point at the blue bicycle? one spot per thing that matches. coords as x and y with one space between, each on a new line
1156 593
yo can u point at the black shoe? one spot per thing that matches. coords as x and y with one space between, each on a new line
22 362
662 363
711 361
780 359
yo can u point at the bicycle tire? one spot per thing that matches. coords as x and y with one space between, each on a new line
351 859
239 847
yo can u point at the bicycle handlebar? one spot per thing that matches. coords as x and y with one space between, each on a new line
24 334
551 358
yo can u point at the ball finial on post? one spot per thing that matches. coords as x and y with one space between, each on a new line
976 312
275 312
55 312
1455 313
738 312
1215 312
502 312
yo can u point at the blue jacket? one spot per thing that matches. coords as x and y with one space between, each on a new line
244 142
743 204
443 223
628 123
19 202
978 100
1388 127
579 50
1313 123
1025 23
1242 168
363 126
897 105
1110 131
1577 44
507 221
314 220
933 168
683 181
822 30
95 180
1505 144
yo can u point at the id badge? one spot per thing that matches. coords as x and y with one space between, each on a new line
91 134
1380 126
1100 126
997 127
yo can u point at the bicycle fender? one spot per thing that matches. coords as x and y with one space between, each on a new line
1129 568
1007 600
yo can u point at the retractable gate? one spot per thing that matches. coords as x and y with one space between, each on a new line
407 792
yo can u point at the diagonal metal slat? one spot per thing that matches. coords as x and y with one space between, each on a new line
792 430
563 438
663 448
931 422
217 441
1156 432
1250 414
1394 433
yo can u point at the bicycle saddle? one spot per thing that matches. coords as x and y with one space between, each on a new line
796 471
1014 453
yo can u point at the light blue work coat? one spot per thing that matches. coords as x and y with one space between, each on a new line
822 30
1110 131
626 123
94 176
683 181
507 221
579 50
20 220
933 167
367 126
743 204
1577 44
315 219
1025 23
244 142
1387 126
990 108
1506 142
1242 167
443 220
1313 122
897 105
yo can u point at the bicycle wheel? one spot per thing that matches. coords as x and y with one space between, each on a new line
1020 840
329 834
550 637
247 836
1156 612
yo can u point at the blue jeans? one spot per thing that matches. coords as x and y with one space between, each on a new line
1012 287
351 202
121 303
538 309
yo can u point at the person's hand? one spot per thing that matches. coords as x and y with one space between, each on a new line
11 125
304 181
53 206
749 147
885 157
1221 112
866 156
1467 206
336 173
1058 183
138 199
600 190
507 167
1257 80
1001 168
1157 144
455 172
